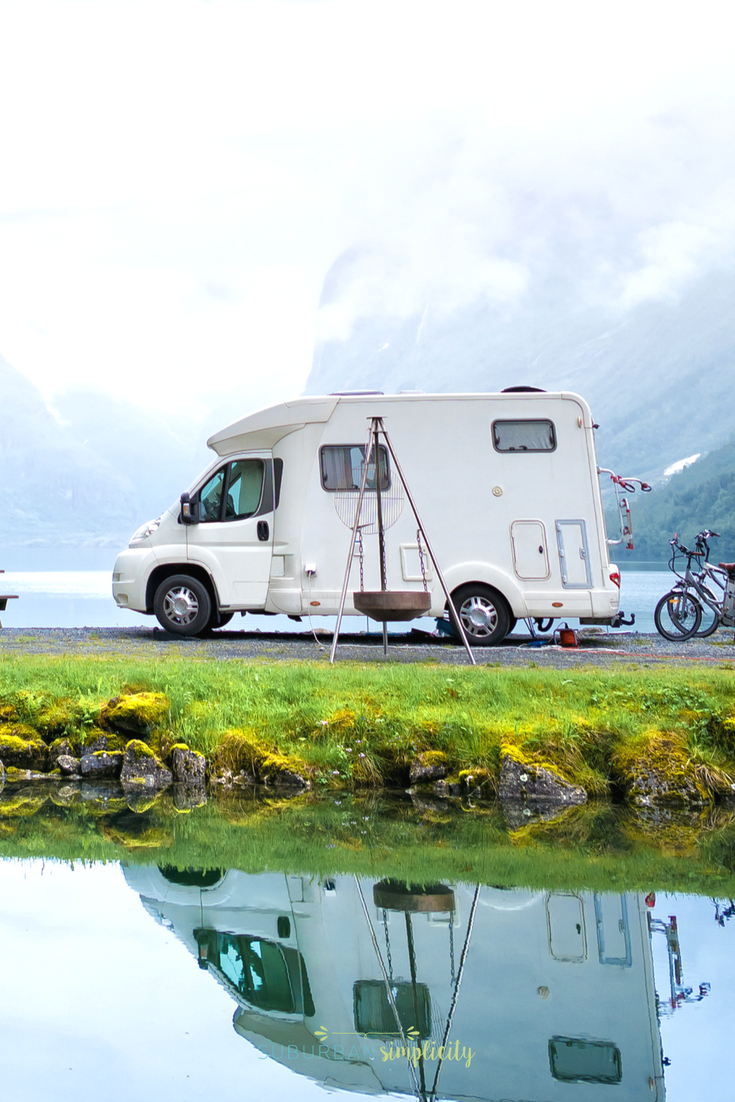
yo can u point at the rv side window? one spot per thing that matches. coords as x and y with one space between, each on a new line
342 466
524 436
234 492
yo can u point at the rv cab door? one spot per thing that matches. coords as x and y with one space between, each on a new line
233 538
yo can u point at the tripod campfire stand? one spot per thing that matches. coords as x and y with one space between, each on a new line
386 605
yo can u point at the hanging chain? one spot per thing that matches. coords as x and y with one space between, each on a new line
451 947
421 559
387 945
362 563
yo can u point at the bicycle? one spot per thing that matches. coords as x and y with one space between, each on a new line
705 596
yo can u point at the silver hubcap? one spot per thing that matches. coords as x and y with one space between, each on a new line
479 616
180 605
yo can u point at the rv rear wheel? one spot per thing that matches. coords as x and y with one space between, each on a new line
484 614
183 605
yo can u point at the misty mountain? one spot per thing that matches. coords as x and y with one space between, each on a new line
84 474
701 496
657 375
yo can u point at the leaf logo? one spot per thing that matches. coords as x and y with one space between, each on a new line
321 1033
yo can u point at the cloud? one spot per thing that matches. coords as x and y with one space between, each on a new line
179 176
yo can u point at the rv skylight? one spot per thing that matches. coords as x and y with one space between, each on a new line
524 436
342 466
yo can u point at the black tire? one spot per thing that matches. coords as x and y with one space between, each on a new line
710 622
183 605
483 613
220 619
710 619
678 616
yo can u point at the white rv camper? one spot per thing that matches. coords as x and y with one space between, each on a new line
506 485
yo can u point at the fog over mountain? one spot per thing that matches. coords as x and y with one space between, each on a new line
83 475
657 374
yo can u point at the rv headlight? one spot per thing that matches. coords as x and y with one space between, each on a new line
146 530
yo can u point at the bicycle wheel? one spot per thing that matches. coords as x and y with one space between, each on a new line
710 622
710 614
677 616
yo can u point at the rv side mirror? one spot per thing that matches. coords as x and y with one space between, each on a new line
188 512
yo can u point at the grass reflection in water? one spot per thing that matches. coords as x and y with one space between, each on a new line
417 839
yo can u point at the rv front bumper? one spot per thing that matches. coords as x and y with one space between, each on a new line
130 577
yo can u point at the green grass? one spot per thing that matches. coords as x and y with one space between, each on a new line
358 724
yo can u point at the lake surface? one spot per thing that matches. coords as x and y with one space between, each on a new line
146 982
83 598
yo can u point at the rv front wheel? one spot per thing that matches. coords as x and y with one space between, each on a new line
484 614
183 605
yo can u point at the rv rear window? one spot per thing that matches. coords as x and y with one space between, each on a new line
342 466
524 436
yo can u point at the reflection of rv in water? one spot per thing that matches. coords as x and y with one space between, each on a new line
493 993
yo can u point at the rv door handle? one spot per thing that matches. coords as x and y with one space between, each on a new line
263 530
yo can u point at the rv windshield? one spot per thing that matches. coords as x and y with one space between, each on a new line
234 492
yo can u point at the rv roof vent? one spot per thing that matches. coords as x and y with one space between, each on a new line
523 390
353 393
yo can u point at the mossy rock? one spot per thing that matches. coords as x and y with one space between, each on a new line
658 771
21 747
95 739
188 766
242 753
429 766
531 777
61 747
135 713
8 714
142 768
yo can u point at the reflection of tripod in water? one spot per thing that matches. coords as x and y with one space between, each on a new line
389 1004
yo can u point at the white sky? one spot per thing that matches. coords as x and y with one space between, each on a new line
178 176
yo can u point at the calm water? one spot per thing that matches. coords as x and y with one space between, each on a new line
75 599
131 983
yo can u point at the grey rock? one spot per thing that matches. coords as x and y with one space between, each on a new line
69 765
142 767
529 783
3 776
285 778
424 772
188 767
102 764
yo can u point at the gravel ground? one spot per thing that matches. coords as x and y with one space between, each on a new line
596 647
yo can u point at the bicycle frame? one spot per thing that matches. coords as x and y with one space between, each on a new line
722 604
